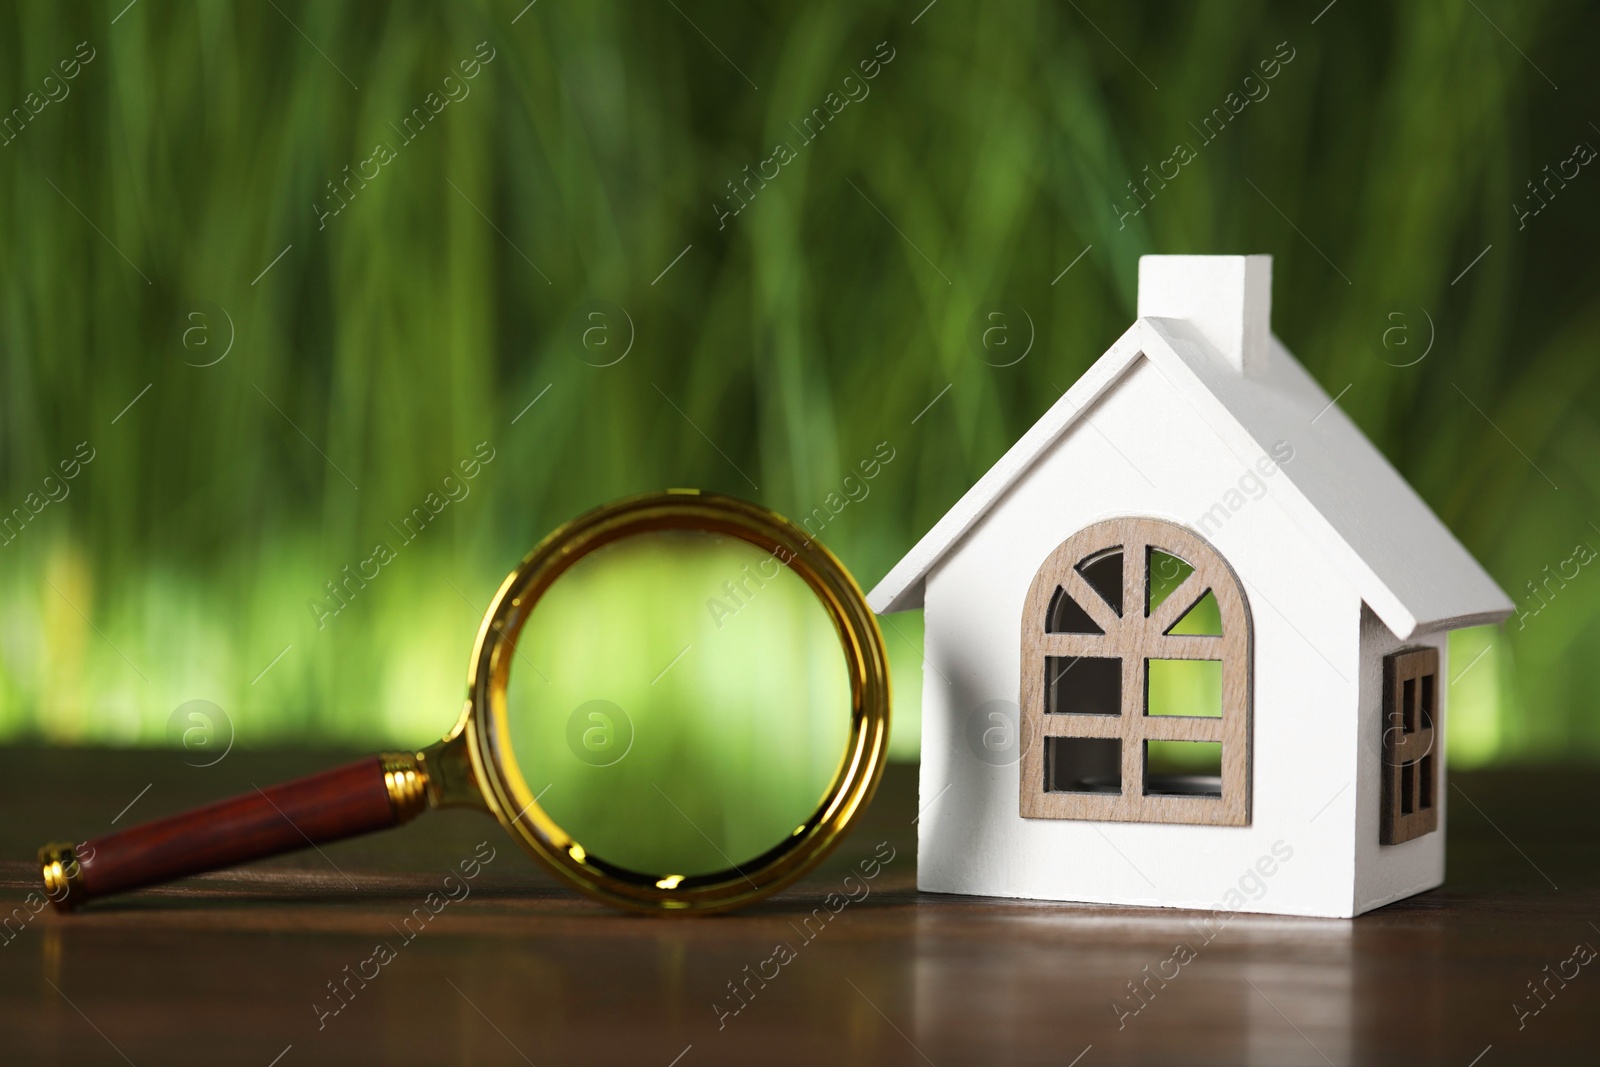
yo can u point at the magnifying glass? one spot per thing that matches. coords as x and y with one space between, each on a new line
676 702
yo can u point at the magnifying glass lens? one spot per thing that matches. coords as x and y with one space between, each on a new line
679 701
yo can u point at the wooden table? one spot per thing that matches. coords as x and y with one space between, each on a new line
238 967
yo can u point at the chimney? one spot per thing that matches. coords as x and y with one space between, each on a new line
1228 299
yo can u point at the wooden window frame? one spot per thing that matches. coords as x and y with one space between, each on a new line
1135 637
1412 716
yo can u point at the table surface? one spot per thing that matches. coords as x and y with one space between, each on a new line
238 967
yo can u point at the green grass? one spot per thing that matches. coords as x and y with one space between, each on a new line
773 357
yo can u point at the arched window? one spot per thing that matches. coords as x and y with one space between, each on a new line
1136 680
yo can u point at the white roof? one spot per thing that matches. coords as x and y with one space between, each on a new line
1347 498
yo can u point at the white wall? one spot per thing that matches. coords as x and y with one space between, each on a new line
1144 451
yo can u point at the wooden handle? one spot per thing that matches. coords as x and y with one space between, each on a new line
370 794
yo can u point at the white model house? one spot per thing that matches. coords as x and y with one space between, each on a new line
1194 527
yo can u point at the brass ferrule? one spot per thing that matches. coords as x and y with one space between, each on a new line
447 768
407 784
63 878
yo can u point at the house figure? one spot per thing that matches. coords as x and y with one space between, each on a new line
1186 641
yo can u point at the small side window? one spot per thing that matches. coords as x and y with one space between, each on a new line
1409 805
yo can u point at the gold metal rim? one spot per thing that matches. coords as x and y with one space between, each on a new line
483 729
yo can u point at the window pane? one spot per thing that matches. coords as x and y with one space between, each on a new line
1204 619
1066 616
1183 687
1164 572
1082 765
1082 685
1183 768
1103 572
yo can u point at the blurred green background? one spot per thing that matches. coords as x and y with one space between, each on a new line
309 351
